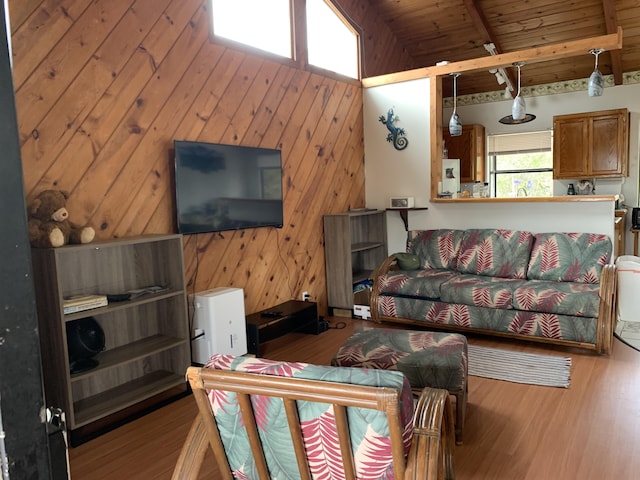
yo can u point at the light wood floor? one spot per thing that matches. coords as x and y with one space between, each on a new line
590 431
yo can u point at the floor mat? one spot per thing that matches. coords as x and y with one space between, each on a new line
519 367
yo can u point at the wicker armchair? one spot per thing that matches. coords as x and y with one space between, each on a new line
265 419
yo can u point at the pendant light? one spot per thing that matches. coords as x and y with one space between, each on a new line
455 125
519 108
596 80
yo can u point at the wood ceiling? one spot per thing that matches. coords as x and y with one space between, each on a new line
455 30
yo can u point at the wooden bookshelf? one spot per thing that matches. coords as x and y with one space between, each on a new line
147 346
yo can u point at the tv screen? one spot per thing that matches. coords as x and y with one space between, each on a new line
226 187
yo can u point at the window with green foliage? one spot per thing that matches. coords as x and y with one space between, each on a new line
331 42
521 164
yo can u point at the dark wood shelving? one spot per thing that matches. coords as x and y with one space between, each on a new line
147 342
355 245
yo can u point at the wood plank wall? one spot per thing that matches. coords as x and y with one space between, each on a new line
104 86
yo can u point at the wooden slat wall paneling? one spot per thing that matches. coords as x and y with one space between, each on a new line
293 129
117 171
106 86
37 34
65 61
83 138
236 267
19 12
382 52
150 162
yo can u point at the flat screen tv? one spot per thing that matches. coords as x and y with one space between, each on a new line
226 187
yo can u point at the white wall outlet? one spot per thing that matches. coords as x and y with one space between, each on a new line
305 296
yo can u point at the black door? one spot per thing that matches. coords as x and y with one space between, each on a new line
25 446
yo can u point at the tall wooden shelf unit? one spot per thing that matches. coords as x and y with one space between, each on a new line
147 346
355 244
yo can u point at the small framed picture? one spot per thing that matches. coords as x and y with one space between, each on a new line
450 175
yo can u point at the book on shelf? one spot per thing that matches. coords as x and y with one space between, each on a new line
80 303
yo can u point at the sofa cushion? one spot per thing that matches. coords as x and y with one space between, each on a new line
535 324
569 257
564 298
369 429
480 291
495 253
414 283
435 248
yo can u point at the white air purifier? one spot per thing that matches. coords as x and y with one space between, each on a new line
218 323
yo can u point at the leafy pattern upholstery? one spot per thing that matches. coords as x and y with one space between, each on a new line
549 325
542 285
435 248
428 359
569 257
424 283
565 298
495 253
369 429
481 291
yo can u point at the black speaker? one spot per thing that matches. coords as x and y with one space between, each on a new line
85 339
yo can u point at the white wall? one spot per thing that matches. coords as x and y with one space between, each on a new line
390 172
407 173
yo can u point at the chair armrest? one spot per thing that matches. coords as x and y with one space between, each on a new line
388 264
607 310
432 445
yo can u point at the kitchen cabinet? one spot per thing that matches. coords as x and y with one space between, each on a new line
146 336
355 245
470 149
591 145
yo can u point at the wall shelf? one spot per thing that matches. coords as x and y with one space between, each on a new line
404 214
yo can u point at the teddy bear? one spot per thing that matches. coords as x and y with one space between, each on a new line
49 224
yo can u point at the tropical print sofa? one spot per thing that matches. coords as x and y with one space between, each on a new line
551 287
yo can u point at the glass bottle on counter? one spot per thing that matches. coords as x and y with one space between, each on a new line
571 190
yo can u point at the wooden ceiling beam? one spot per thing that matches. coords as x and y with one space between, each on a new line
611 22
484 28
543 53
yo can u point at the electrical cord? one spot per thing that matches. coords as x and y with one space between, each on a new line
286 267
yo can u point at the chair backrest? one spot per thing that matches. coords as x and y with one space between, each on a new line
265 419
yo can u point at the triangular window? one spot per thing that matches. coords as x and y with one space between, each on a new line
262 24
331 42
